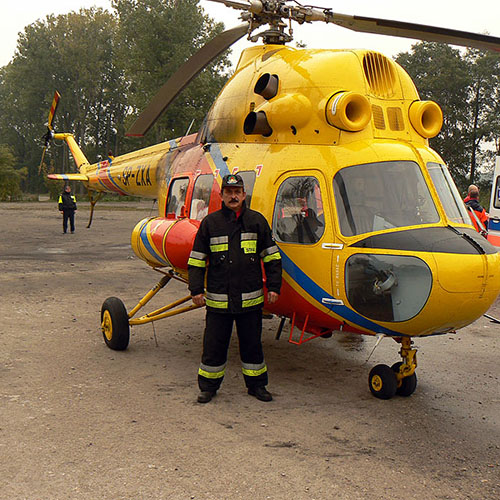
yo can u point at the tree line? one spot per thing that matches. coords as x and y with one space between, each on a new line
108 65
466 84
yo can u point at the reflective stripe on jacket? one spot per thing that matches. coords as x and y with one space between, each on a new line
229 250
67 201
478 215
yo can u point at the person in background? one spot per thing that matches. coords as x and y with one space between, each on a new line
477 213
67 206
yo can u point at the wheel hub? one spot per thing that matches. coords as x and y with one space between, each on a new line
376 383
107 325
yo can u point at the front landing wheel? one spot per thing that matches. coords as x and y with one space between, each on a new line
383 382
408 384
114 324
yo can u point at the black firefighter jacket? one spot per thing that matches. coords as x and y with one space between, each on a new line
67 201
230 249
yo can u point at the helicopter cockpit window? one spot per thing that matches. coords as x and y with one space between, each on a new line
201 196
298 211
384 195
177 196
387 287
448 193
249 182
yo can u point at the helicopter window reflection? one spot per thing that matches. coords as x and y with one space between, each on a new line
201 196
387 287
298 212
380 196
177 196
448 193
249 182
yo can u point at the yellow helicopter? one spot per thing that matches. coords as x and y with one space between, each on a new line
333 149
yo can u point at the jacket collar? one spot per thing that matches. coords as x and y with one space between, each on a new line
230 214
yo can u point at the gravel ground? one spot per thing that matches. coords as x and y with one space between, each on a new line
79 421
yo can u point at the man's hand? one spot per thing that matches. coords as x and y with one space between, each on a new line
272 297
198 300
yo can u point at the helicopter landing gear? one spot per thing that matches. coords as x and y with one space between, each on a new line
400 379
383 382
114 324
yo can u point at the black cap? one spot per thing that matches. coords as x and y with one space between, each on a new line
232 180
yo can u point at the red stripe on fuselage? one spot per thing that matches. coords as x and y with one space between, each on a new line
105 178
291 302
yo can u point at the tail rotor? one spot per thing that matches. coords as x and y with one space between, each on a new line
50 130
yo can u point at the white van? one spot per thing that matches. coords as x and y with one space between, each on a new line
494 220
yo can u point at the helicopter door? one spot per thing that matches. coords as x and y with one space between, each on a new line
302 228
494 220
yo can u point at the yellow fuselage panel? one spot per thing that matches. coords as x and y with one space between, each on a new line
307 81
464 284
135 174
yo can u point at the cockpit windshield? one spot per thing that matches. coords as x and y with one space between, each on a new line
383 195
448 193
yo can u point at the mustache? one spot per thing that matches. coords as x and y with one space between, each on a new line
234 199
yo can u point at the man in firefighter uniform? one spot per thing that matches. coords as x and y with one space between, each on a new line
228 248
67 206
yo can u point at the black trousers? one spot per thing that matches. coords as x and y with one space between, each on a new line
216 340
69 214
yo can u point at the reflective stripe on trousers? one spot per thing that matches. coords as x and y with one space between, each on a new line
216 342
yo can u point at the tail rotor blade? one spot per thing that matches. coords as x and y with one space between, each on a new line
53 109
41 161
50 131
183 76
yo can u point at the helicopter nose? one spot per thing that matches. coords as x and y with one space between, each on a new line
464 273
448 282
465 288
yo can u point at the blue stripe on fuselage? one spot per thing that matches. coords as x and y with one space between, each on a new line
149 248
317 293
216 155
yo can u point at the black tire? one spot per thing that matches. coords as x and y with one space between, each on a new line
383 382
408 384
114 324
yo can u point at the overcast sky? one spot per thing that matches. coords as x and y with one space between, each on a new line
478 16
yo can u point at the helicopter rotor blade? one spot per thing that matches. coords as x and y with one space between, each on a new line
49 135
41 161
301 14
416 31
176 83
53 109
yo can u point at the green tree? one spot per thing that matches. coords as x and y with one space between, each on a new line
466 86
73 53
10 177
484 95
156 37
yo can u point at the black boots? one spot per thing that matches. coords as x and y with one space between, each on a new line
205 396
260 393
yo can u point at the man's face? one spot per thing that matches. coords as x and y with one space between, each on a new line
67 189
233 197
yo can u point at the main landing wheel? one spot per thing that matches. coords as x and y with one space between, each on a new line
408 384
114 324
383 382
